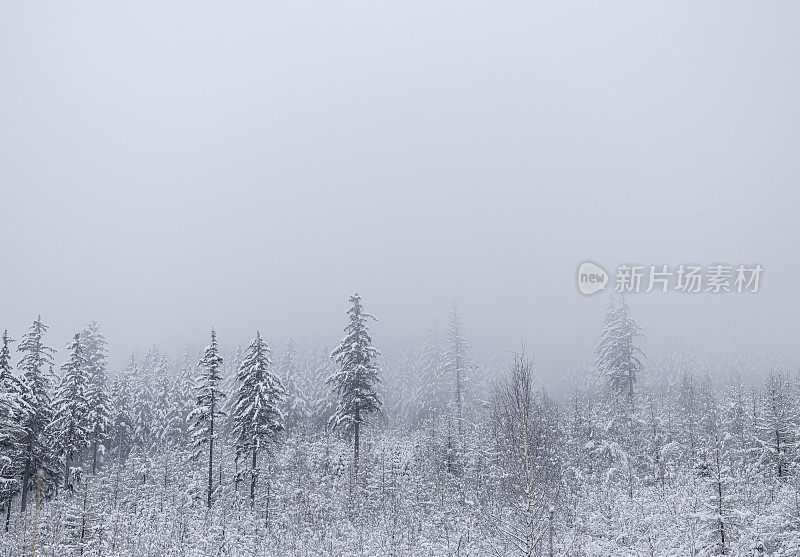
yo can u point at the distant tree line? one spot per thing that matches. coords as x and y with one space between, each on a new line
414 450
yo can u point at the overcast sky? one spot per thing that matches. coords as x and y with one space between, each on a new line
166 166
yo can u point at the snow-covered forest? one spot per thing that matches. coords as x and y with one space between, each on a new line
411 450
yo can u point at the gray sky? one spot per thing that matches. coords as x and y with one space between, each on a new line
165 166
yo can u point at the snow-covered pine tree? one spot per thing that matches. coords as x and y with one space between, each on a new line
618 357
717 512
7 379
147 423
97 395
142 404
688 418
70 426
257 414
184 392
429 394
12 411
455 364
122 427
208 410
321 400
776 425
355 381
168 416
82 522
38 407
297 411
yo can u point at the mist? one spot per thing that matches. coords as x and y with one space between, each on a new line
206 202
168 167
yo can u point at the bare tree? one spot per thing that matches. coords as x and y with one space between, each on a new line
526 432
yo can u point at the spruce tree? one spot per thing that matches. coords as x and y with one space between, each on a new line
456 366
429 395
320 399
257 414
122 426
618 357
12 411
297 407
357 377
144 417
777 427
717 511
97 395
70 426
208 410
184 392
38 408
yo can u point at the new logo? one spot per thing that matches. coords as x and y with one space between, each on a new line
592 278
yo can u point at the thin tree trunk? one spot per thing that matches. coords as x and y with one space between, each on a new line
357 424
94 458
211 457
253 479
26 477
8 512
66 471
266 513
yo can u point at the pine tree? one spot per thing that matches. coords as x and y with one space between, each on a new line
257 414
7 378
321 400
296 403
97 395
184 392
717 512
142 390
38 408
356 379
775 426
12 411
122 427
428 386
208 411
70 425
687 402
618 357
168 415
456 366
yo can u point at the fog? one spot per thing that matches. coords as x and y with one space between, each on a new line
166 167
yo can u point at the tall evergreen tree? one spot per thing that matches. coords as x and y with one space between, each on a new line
429 395
97 395
70 425
208 411
717 511
184 392
456 366
777 425
167 413
257 414
122 427
320 399
357 377
12 412
618 357
297 407
144 418
38 408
